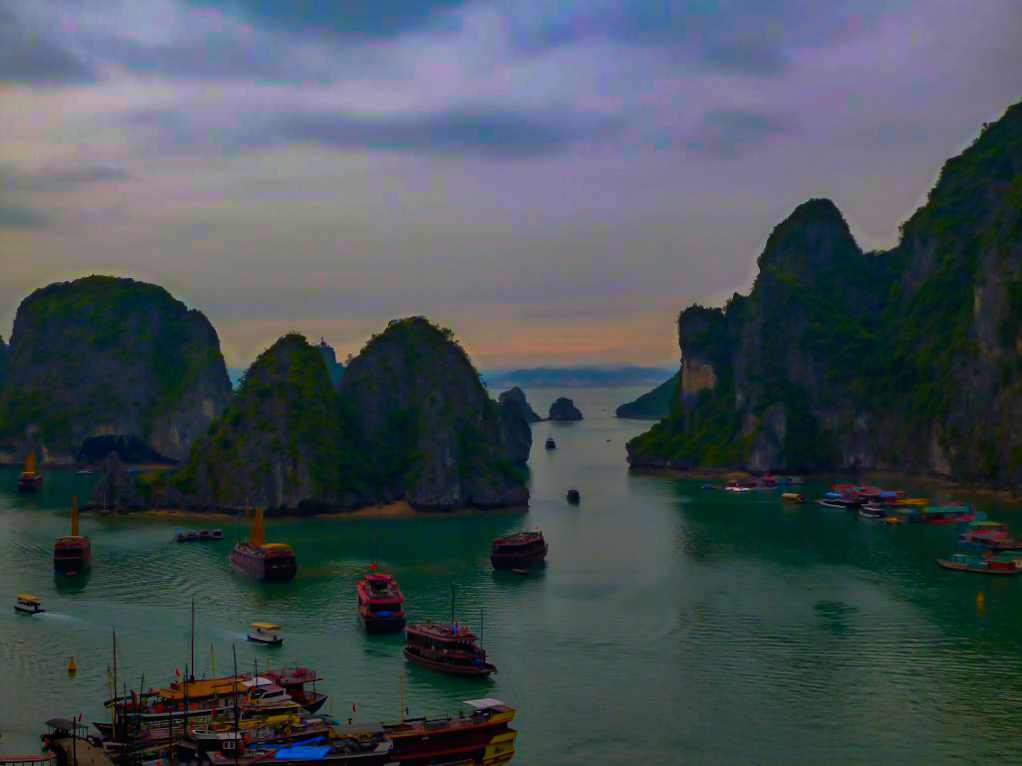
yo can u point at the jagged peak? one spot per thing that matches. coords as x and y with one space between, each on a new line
814 235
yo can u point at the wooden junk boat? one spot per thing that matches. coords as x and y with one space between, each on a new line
518 551
72 555
449 649
380 602
30 479
272 692
272 562
483 737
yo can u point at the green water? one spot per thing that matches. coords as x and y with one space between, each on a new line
671 624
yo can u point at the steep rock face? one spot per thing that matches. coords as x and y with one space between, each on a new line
279 444
907 359
334 368
4 356
653 405
103 356
564 409
116 489
515 397
434 436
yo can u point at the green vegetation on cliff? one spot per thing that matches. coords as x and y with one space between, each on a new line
653 404
843 359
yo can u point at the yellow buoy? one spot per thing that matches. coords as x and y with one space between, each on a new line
72 667
981 602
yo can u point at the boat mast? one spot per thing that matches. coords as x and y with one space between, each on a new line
114 721
452 606
234 650
193 642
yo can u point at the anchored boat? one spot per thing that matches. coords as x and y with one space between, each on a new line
264 561
451 649
984 564
518 551
72 554
30 479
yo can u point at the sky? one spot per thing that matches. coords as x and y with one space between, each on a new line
553 179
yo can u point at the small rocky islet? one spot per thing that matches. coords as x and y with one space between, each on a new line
564 409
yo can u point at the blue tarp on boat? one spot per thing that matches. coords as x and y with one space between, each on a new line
302 753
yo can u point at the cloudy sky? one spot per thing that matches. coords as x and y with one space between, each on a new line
554 179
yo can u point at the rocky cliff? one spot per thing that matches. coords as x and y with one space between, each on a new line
410 421
435 437
564 409
4 354
515 397
334 368
909 359
653 405
107 357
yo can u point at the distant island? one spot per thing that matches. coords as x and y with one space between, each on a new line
575 377
907 359
653 405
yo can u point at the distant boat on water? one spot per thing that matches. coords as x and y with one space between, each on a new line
30 479
72 554
380 602
262 560
550 443
518 551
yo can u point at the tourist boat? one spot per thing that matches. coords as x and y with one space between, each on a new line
550 443
991 535
574 496
264 561
155 709
28 604
30 479
448 649
295 681
380 602
518 551
831 503
266 633
873 512
947 514
217 534
222 735
792 497
483 737
985 564
355 745
72 555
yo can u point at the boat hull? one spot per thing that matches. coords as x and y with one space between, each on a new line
268 569
28 610
468 671
958 567
377 624
533 556
33 484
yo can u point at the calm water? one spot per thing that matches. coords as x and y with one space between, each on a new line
671 624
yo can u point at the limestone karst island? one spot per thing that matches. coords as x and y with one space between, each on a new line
461 383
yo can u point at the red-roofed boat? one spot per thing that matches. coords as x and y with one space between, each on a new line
448 649
380 602
72 554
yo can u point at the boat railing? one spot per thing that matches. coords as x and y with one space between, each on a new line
28 760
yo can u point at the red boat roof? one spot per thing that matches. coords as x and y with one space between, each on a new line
437 632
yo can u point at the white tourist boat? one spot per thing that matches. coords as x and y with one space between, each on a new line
28 604
267 633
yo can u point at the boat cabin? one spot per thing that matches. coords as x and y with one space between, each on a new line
448 648
265 633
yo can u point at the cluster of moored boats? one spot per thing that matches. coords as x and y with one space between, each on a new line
273 718
983 546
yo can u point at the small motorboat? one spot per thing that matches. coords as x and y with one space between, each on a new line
217 534
550 443
574 497
985 564
873 512
180 536
792 497
191 536
205 534
265 633
28 604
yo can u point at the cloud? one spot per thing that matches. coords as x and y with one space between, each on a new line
478 132
61 178
16 217
349 19
728 133
29 57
